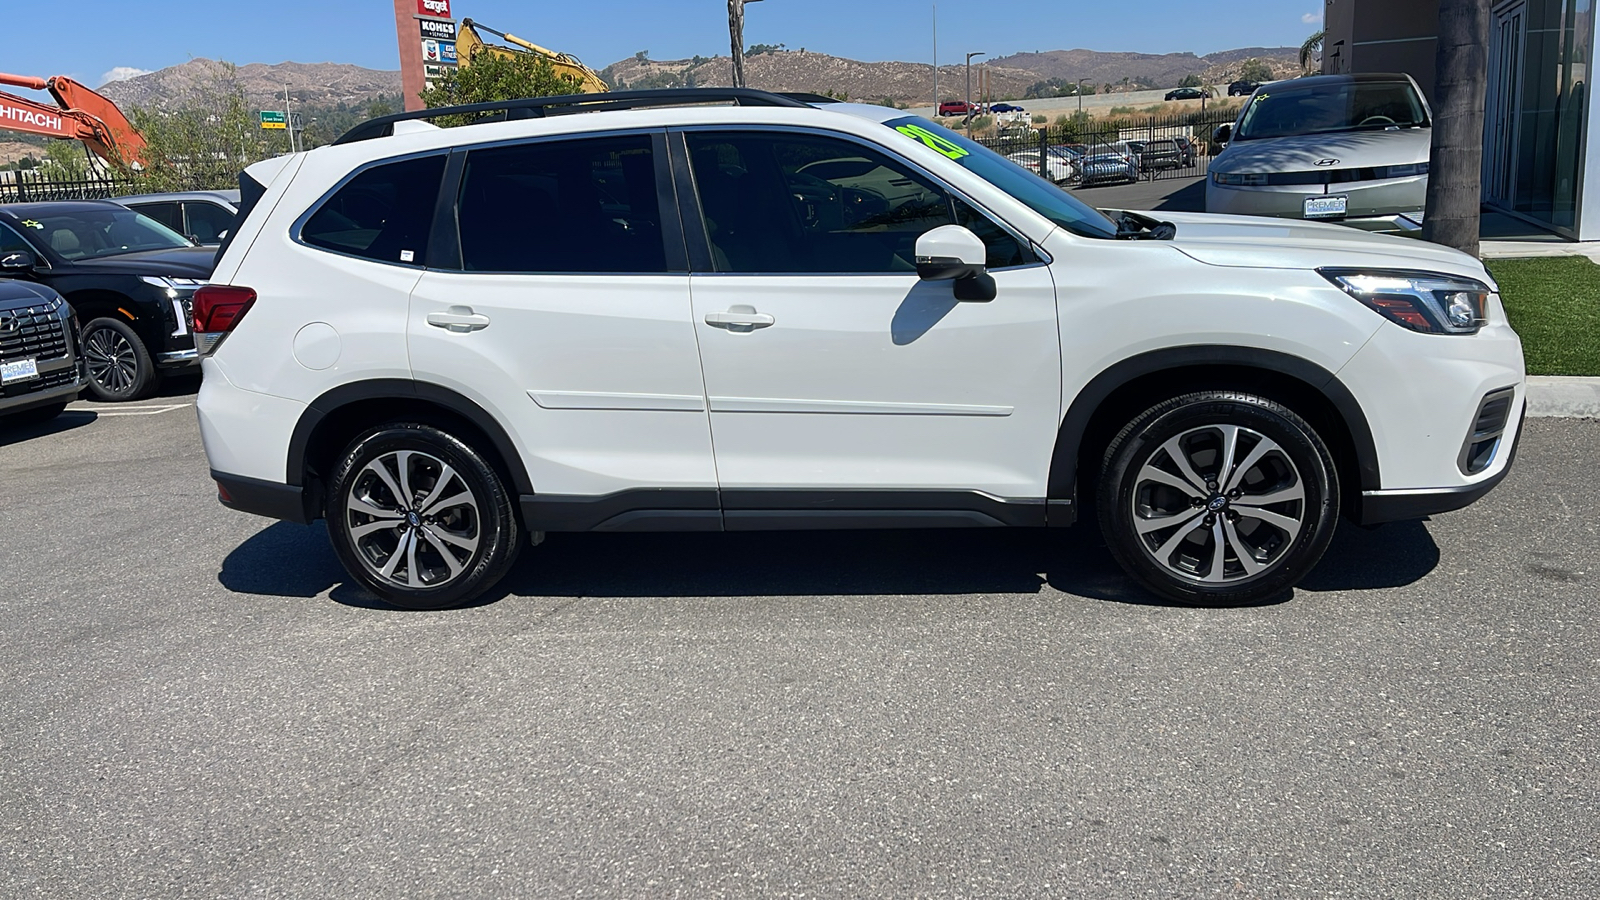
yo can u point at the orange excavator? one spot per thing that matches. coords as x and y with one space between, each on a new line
80 114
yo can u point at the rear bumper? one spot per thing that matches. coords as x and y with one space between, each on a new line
262 498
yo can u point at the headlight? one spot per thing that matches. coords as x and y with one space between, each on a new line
1420 301
1242 179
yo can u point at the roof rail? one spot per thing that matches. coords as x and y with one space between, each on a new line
540 107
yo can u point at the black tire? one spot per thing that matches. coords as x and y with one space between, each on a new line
1266 547
459 549
36 416
119 365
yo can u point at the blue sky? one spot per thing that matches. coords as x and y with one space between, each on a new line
106 35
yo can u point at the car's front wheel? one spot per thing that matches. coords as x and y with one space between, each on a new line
1218 498
119 365
420 518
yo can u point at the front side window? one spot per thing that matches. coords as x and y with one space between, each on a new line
384 214
11 242
795 203
563 206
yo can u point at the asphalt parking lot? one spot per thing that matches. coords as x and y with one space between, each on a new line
196 705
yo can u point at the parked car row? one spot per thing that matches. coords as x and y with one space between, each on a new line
97 295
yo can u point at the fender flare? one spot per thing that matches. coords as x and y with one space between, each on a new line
1064 461
401 389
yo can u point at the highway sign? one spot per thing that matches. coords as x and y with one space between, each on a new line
271 118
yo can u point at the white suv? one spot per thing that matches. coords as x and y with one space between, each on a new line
645 312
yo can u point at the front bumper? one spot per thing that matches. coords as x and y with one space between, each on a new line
1378 507
1393 205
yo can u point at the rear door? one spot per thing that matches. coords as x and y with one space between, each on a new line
829 365
567 314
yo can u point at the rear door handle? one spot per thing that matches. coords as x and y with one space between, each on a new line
739 318
459 320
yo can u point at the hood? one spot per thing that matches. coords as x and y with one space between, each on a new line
179 262
1262 243
1302 152
24 292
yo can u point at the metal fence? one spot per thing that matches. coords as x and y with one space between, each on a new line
24 187
1112 150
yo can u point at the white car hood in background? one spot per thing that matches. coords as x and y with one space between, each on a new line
1263 243
1302 152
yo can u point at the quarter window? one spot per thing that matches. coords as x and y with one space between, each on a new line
383 214
805 204
563 206
207 221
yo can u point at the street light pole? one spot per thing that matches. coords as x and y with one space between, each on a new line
969 85
1080 93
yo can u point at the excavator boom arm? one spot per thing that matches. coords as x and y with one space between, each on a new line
80 115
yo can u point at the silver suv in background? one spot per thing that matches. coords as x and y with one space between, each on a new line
1350 149
204 217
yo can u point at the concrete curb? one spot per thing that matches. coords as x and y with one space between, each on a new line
1558 396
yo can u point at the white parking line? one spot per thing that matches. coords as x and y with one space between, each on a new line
132 410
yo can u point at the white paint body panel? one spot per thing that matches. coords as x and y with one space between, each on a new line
595 377
883 381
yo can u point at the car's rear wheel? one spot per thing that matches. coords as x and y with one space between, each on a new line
1218 498
420 518
119 365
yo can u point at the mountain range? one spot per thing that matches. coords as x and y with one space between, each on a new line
337 84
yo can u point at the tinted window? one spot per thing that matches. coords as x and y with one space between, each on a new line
383 214
11 242
165 213
799 203
562 206
207 221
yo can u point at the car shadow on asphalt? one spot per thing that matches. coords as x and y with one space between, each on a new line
67 421
295 561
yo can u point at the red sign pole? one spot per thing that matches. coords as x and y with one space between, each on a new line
411 74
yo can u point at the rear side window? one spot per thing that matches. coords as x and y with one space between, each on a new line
165 213
562 206
383 214
207 221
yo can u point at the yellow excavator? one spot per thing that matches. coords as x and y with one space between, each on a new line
469 44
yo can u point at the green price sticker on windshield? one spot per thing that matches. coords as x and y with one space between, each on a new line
933 141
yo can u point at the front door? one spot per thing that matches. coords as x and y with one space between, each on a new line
829 366
568 317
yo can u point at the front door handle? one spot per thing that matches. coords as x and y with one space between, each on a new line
739 318
458 320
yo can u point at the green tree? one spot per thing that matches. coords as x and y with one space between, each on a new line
759 49
491 78
1255 70
65 159
1311 48
203 141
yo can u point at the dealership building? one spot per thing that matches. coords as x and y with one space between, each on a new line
1541 134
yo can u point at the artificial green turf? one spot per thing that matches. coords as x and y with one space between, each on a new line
1554 303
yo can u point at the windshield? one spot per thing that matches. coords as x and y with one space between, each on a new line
101 232
1289 109
1026 187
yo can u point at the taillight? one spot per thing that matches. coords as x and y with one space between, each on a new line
217 310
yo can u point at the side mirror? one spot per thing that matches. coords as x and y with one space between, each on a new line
1223 134
953 253
18 261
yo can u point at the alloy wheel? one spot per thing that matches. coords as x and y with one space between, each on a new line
413 520
111 360
1218 504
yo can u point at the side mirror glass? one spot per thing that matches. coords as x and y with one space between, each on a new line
1223 134
18 261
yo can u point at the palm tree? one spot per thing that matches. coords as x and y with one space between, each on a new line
1455 175
736 32
1310 48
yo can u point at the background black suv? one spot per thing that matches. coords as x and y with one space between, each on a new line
129 278
40 371
1243 88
